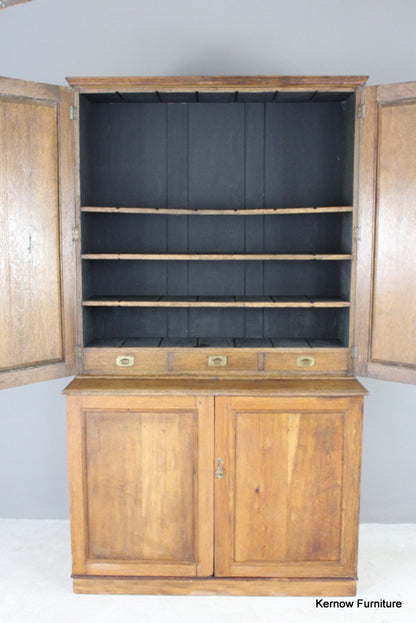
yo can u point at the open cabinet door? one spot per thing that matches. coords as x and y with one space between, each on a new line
386 249
37 256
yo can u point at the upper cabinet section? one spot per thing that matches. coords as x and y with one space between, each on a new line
37 301
386 285
217 211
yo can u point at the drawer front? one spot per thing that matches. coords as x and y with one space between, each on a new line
308 361
125 362
215 361
219 362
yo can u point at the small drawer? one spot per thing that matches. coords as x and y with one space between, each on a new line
215 362
308 362
125 362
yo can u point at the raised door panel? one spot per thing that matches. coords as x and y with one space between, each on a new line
37 301
141 492
287 504
386 280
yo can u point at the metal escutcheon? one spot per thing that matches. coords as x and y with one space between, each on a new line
220 469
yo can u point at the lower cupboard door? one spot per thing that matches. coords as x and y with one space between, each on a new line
287 487
141 483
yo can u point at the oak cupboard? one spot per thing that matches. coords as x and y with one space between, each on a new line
266 221
210 250
283 508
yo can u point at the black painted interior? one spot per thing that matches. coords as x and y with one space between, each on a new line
222 151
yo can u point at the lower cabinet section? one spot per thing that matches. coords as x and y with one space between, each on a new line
178 492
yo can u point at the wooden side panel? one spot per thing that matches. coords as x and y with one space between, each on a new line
36 321
386 286
288 503
146 490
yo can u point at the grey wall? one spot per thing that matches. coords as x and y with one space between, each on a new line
46 40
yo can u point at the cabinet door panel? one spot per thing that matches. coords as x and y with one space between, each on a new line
386 279
147 476
286 505
36 217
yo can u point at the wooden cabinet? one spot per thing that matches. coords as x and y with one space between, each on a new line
210 254
286 464
220 226
200 248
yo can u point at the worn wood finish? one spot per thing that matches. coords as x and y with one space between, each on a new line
186 362
30 234
207 212
386 256
217 83
26 88
109 386
37 258
366 211
78 499
234 302
286 505
355 222
392 93
393 336
104 361
141 485
215 256
215 586
195 361
78 290
141 451
324 361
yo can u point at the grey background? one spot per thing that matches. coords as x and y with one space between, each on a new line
46 40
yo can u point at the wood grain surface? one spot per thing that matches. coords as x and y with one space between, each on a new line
141 485
218 83
37 319
285 506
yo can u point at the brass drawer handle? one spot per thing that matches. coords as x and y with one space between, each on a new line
305 362
217 360
125 361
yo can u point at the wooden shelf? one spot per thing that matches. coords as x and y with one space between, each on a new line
217 256
232 301
212 342
226 211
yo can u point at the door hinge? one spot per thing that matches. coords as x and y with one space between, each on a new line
72 114
357 233
354 352
75 233
361 111
78 351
